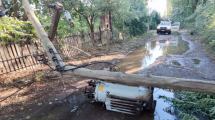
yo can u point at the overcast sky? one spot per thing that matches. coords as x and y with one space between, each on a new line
158 5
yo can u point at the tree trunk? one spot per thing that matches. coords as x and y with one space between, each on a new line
92 35
111 26
91 26
24 17
15 9
2 12
55 20
1 5
100 35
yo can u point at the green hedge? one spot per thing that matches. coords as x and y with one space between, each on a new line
14 30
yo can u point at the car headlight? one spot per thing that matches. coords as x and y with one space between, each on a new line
158 27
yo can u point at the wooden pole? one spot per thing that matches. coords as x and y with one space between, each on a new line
150 80
41 33
118 77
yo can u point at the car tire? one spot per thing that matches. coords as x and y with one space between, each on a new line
169 33
158 32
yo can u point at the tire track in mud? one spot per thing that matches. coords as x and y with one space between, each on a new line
186 68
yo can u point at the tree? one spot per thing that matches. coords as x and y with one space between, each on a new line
1 5
198 16
88 10
14 30
154 19
13 8
2 12
138 22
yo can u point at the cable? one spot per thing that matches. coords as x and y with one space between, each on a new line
85 65
28 85
50 67
60 68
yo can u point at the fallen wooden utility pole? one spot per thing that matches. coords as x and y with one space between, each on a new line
117 77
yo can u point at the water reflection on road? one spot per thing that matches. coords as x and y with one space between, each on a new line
163 106
143 58
154 50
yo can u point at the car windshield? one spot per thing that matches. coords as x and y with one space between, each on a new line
165 23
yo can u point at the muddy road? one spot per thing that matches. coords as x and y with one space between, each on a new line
193 63
167 55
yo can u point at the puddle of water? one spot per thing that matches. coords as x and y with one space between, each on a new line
176 47
174 62
196 61
146 56
160 113
132 63
154 50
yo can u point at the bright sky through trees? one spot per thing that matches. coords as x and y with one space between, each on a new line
158 5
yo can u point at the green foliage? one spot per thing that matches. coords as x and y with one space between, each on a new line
64 29
14 8
155 19
87 11
137 26
14 30
184 116
182 9
194 105
197 15
212 44
129 16
134 18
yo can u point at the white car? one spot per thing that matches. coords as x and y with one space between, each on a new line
164 27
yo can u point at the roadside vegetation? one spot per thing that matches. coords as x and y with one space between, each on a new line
14 30
126 16
198 17
195 106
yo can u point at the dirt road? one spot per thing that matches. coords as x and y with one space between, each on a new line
194 63
62 98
